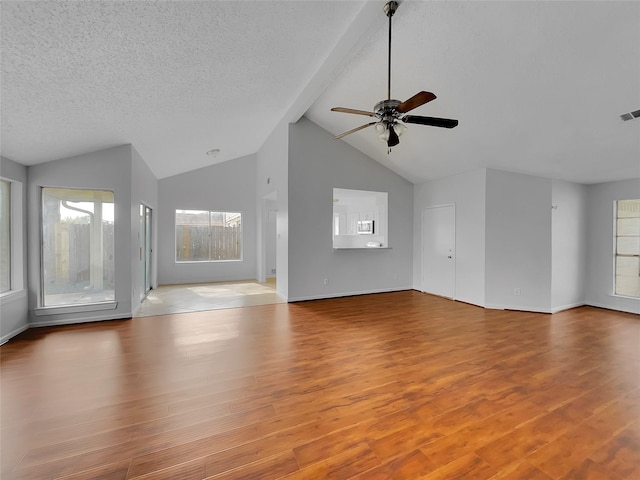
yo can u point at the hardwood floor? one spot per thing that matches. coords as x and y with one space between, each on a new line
389 386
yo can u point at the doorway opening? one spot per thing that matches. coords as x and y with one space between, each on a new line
145 250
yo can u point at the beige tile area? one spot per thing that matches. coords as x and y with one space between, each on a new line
196 297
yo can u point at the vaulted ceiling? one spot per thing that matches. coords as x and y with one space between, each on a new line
538 87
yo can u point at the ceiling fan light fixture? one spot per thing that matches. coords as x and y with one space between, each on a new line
383 128
389 132
400 128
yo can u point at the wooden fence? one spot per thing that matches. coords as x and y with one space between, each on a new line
67 258
199 243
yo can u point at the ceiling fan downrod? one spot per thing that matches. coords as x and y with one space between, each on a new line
389 9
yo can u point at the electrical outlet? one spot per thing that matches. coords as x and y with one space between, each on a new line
325 281
517 292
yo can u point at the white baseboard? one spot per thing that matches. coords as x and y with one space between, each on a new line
347 294
560 308
469 302
493 306
5 338
616 308
567 307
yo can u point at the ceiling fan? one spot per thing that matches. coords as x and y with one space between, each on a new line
390 114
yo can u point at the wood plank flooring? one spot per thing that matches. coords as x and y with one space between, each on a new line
390 386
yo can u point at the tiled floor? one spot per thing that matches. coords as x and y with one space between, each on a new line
196 297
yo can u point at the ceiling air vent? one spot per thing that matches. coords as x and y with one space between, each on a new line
630 115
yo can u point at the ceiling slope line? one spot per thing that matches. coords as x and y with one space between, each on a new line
365 24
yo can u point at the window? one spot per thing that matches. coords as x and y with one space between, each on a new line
11 239
5 236
628 248
77 246
204 236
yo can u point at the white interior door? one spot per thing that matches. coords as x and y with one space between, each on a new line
438 250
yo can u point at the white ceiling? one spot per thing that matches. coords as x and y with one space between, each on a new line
538 87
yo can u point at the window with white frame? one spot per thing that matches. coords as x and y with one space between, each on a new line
11 238
627 277
206 236
5 236
78 230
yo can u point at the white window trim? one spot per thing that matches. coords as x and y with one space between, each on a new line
17 243
85 307
43 309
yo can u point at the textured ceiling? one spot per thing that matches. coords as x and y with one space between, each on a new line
175 79
538 87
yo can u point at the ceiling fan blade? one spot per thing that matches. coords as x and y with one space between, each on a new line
432 121
352 110
355 130
414 102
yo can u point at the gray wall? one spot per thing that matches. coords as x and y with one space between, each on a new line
271 235
467 192
144 191
317 164
518 241
508 232
568 244
229 187
14 307
600 266
272 184
109 169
